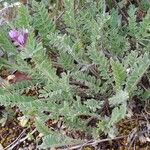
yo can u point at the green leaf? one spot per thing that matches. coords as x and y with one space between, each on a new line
139 68
99 59
69 17
55 140
119 74
119 98
5 42
32 46
44 66
93 104
23 17
42 21
41 127
118 113
12 99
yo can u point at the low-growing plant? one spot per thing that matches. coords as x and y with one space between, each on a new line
79 63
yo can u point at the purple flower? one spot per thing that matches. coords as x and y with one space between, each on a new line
19 38
25 35
13 34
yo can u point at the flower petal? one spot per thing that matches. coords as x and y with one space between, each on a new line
25 35
21 39
13 34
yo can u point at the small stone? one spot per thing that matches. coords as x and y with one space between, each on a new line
41 135
1 147
23 120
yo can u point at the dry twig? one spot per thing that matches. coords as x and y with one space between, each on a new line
19 140
95 142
